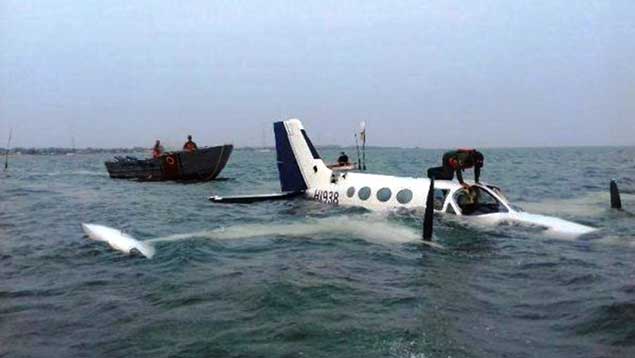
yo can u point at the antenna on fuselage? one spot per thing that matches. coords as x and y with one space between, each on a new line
429 213
616 201
359 158
362 135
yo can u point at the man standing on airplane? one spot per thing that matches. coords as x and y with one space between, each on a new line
457 161
343 159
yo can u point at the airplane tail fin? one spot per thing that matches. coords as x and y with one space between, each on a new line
299 164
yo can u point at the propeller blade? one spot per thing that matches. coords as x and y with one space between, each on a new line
429 213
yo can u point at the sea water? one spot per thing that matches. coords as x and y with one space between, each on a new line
302 279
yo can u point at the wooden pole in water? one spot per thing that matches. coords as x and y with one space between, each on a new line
6 154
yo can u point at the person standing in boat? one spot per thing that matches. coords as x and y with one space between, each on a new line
343 159
457 161
157 151
190 146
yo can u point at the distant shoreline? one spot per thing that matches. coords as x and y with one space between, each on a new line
65 151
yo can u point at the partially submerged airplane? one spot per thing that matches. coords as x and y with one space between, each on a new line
303 173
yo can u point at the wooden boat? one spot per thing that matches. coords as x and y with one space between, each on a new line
200 165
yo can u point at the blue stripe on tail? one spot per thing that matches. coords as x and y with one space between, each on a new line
288 170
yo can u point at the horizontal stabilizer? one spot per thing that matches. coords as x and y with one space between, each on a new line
246 199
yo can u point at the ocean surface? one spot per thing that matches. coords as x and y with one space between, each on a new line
302 279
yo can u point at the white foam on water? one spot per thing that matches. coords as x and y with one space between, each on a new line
369 228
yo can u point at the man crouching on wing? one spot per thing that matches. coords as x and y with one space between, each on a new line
458 160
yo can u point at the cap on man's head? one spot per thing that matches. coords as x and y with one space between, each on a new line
189 136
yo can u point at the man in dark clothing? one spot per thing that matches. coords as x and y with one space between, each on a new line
157 150
189 145
343 159
458 160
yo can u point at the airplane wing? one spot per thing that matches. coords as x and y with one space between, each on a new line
246 199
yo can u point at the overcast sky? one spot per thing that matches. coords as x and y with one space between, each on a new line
421 73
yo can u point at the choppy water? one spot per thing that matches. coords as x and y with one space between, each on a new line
301 279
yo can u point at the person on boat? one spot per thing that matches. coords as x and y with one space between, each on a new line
189 146
457 161
343 159
157 151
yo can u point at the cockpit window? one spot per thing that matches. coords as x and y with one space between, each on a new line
477 201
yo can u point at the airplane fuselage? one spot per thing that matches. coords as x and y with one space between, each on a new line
377 192
301 170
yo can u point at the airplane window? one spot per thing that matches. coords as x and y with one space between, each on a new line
477 202
404 196
384 194
350 192
364 193
439 198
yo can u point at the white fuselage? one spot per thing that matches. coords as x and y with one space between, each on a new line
389 193
375 192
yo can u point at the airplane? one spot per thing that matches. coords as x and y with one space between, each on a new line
302 172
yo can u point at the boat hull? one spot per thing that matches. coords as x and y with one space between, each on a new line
201 165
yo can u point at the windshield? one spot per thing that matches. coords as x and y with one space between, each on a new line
477 201
498 191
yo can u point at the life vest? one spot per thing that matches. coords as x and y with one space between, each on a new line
465 158
156 152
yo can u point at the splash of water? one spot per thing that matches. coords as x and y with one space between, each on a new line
378 231
367 228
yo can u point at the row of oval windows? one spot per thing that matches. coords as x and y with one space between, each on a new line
403 196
